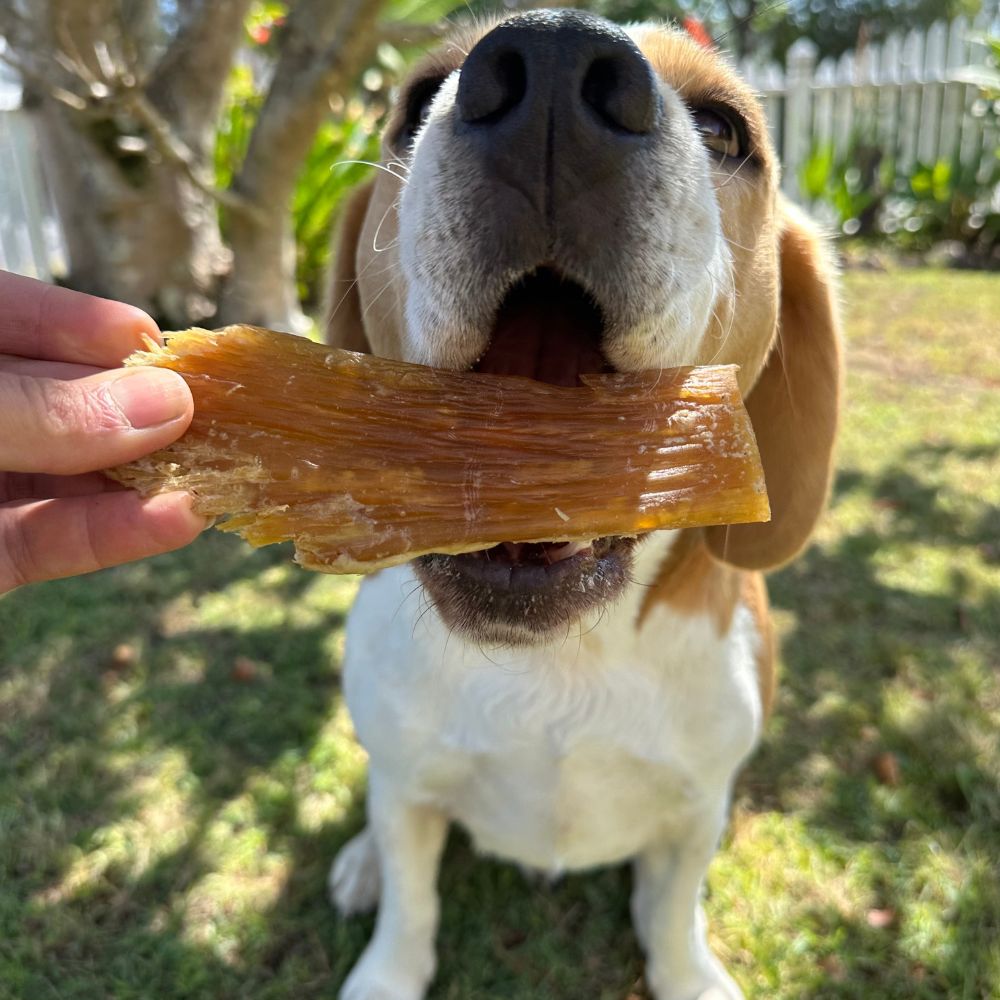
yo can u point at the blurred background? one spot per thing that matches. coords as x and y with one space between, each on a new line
190 157
177 768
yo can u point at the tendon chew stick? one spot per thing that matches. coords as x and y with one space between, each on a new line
365 462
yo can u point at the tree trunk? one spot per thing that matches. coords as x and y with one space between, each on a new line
135 231
128 106
327 44
189 83
137 225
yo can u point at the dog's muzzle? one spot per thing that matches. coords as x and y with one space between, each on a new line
552 107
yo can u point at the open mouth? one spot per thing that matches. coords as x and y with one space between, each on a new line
547 328
550 329
524 565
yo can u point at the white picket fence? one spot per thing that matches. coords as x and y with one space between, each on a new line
30 238
910 94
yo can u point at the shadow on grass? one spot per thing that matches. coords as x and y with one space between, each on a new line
127 937
855 639
73 758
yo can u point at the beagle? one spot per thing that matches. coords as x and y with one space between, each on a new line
561 196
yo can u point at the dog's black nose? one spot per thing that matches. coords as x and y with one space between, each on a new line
576 71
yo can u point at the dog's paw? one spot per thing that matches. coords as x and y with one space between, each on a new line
354 882
373 979
713 984
727 991
717 991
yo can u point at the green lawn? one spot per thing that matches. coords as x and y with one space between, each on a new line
166 824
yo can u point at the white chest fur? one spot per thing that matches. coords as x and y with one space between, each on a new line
560 756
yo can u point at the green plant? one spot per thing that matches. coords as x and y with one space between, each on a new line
344 144
866 193
945 200
330 170
853 184
333 167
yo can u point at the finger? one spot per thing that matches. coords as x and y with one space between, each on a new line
42 321
45 369
49 539
54 426
33 486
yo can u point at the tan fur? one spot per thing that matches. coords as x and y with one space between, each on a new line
753 594
743 328
691 582
794 406
345 326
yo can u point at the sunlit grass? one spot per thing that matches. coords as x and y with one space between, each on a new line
166 823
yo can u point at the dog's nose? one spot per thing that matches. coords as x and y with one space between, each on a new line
561 68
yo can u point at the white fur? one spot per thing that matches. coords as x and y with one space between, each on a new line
611 744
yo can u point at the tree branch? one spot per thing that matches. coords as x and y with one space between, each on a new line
188 84
111 94
175 151
324 47
15 28
45 84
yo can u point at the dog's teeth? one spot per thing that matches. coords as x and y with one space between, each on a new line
569 550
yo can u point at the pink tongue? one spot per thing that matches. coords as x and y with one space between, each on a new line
547 329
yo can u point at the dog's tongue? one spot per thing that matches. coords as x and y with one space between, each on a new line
546 329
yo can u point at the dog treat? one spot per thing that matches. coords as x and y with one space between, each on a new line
365 462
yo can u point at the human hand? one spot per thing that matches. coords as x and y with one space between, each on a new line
63 417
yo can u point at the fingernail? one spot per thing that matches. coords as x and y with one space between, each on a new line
182 505
151 397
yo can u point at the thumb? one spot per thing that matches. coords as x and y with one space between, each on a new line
81 425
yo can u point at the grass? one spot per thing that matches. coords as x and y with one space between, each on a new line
167 818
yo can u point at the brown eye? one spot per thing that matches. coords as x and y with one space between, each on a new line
718 131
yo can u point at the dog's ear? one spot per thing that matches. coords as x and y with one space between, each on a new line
345 325
794 406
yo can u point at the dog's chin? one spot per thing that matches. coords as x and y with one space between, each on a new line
522 594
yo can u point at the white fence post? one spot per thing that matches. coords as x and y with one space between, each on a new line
30 239
798 112
909 95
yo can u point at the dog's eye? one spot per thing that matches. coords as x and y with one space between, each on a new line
719 131
418 106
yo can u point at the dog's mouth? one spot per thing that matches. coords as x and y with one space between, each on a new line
547 328
550 329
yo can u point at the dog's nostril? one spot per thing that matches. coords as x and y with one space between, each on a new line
487 92
618 90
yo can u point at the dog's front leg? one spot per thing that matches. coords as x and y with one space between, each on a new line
399 960
668 918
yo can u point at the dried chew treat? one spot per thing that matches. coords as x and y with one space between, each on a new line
365 462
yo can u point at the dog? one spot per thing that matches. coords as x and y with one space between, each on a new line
560 196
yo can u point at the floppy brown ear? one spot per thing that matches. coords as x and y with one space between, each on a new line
345 326
794 406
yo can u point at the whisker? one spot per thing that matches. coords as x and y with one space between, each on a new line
353 285
736 170
376 297
739 246
394 204
377 166
417 586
